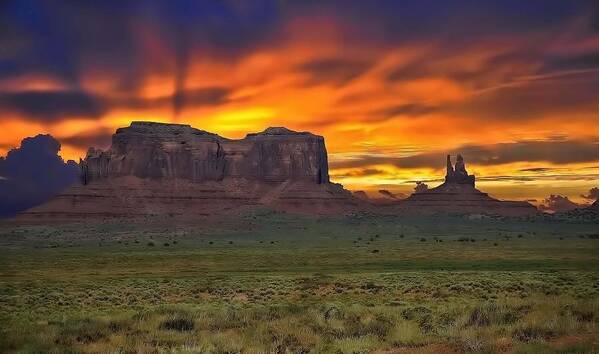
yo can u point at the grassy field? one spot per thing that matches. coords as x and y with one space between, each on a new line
274 283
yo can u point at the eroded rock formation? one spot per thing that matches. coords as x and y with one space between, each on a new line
175 151
155 168
458 174
458 195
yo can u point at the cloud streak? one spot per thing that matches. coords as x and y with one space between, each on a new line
558 152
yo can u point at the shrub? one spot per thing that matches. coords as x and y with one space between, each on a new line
530 333
151 244
415 312
479 317
177 324
583 316
82 331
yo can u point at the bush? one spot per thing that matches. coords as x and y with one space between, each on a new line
530 333
178 324
479 317
151 244
415 312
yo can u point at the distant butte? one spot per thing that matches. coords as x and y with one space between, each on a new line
458 195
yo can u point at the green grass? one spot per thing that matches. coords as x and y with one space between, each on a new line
264 282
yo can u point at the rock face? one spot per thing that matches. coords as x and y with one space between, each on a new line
155 168
173 151
458 174
458 195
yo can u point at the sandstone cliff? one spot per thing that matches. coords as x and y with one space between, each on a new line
155 168
174 151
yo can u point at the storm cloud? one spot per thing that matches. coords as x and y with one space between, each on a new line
52 105
33 173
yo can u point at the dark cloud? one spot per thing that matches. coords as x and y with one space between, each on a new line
456 22
592 195
337 71
33 173
52 105
206 96
66 39
58 105
537 169
409 109
533 98
361 173
558 204
584 61
558 152
95 138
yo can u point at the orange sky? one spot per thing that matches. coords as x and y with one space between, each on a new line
527 129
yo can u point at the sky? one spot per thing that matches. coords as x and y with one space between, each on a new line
393 86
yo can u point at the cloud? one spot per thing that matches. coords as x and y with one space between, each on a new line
558 204
51 105
99 138
211 96
33 173
336 71
360 173
558 152
205 96
592 195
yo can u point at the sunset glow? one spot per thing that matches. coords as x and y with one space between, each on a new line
521 106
